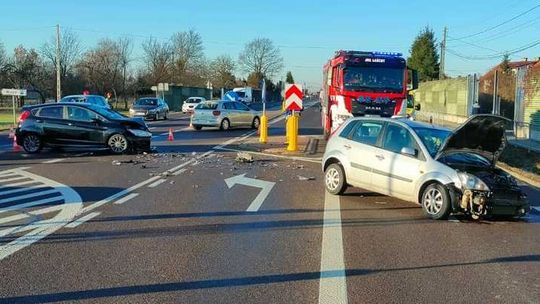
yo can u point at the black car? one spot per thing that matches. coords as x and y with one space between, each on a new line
82 126
149 108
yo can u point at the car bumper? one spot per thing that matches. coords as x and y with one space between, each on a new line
145 116
206 122
139 143
503 202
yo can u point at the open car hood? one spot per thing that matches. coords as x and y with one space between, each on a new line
480 134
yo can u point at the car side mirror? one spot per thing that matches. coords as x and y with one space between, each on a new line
417 107
409 151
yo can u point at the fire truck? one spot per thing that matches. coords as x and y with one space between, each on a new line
358 83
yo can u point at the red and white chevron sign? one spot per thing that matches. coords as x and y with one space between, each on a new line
293 97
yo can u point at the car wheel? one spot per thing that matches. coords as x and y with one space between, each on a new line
198 128
334 179
256 122
156 116
436 202
118 144
225 124
32 143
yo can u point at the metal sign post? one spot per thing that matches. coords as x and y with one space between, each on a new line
13 93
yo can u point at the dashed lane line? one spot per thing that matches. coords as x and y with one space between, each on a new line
126 198
53 161
157 183
179 172
332 285
83 219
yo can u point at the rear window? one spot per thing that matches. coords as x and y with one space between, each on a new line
206 106
52 112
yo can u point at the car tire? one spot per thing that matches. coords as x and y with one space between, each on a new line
225 124
335 181
435 202
32 143
156 116
198 128
256 123
118 144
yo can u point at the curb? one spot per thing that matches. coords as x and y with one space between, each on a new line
518 173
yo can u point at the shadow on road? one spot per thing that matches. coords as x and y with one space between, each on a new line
243 281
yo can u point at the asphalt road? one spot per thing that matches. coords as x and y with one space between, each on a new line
188 225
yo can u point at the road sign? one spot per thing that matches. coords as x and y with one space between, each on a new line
13 92
293 97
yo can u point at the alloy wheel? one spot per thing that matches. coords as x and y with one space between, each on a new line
118 143
332 179
433 201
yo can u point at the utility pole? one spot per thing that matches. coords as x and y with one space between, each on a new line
496 99
58 84
443 54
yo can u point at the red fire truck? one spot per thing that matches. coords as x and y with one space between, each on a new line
357 83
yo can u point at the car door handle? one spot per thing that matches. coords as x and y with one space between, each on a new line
346 146
70 124
379 156
39 120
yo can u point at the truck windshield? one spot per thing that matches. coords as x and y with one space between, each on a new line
374 79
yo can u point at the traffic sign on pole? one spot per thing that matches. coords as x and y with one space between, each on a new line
293 97
13 92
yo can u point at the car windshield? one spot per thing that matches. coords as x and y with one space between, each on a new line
146 102
195 100
432 138
108 113
206 106
377 79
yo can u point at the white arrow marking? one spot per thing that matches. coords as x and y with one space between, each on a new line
265 186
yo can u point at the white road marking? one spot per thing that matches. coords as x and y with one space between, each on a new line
83 219
12 179
41 228
297 158
29 195
156 183
126 198
52 161
265 186
179 166
20 184
7 174
332 285
179 172
117 195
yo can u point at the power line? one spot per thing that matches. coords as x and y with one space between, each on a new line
494 56
500 24
511 30
475 45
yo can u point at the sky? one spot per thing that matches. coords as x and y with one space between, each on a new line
308 32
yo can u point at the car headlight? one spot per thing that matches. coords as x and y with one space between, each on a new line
131 111
471 182
140 133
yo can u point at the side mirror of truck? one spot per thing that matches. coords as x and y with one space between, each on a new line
417 107
412 83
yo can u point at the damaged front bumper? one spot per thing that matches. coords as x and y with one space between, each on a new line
499 202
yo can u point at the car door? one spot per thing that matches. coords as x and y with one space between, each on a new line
244 114
231 113
360 149
53 124
395 173
83 127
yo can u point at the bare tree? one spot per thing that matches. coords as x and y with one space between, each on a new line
261 57
70 53
26 70
3 65
222 72
188 54
158 57
101 67
125 49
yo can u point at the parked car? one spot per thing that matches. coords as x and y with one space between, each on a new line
149 108
190 103
224 114
80 126
90 99
443 171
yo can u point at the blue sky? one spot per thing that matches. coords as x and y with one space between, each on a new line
307 32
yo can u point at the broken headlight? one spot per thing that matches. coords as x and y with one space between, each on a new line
471 182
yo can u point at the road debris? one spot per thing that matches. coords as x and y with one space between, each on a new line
244 157
116 163
303 178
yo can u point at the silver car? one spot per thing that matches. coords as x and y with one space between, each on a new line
224 115
443 171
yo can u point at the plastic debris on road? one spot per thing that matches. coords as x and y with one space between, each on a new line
303 178
244 157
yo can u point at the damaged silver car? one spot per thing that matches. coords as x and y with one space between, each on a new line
444 171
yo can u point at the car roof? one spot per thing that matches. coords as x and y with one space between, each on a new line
79 104
71 96
413 124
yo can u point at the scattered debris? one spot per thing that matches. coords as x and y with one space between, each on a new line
303 178
116 163
193 153
171 182
244 157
